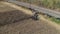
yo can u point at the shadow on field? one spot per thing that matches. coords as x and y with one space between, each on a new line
9 17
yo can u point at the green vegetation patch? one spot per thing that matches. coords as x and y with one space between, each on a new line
55 20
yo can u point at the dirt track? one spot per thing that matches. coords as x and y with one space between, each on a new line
9 14
12 17
24 26
29 26
21 23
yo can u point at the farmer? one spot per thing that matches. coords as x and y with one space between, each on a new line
35 16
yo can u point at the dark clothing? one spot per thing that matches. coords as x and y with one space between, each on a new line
35 16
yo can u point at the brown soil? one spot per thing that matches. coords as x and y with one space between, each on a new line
12 16
18 22
29 26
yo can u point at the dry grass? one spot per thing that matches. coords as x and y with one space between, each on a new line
9 14
22 24
4 7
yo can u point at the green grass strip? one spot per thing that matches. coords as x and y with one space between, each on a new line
55 20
